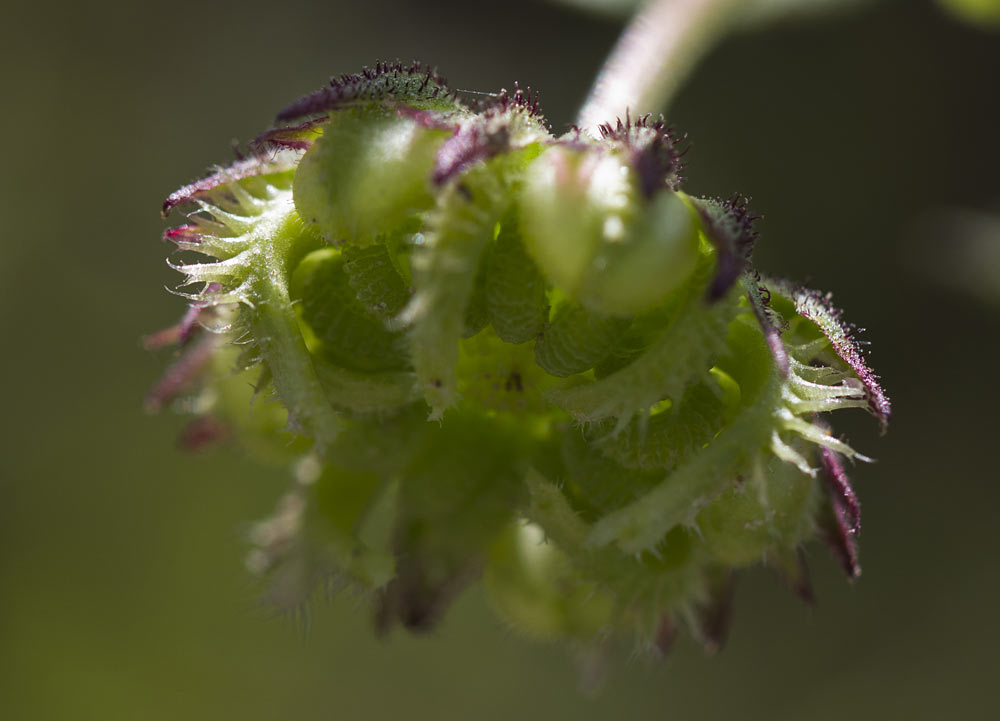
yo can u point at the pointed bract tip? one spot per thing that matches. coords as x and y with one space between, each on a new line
817 307
248 167
839 486
843 542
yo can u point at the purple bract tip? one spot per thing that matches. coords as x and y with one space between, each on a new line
816 307
240 169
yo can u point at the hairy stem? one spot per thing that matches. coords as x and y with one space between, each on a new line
653 57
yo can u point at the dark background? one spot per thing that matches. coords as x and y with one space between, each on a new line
122 590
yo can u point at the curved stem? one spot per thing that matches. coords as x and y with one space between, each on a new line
653 57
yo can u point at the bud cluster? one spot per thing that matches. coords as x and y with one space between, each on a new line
496 352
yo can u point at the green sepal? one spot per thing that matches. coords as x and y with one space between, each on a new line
278 241
577 339
534 587
368 174
668 438
656 256
595 238
444 267
260 424
501 376
366 393
516 300
770 508
643 523
343 504
476 312
376 276
571 202
683 353
336 324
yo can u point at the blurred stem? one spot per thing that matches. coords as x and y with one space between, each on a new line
654 55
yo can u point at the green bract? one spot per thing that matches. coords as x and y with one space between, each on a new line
500 352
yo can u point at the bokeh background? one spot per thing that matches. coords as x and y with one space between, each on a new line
122 589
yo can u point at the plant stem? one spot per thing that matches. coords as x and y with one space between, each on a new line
653 56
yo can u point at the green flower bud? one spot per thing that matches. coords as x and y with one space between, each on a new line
498 352
367 174
602 224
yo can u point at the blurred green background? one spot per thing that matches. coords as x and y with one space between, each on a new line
122 590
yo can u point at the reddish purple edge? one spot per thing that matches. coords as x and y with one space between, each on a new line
468 145
249 167
179 234
730 227
842 525
476 139
760 300
369 84
848 507
816 307
841 541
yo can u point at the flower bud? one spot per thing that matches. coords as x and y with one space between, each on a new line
597 238
367 174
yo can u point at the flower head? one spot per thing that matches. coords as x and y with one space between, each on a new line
499 352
